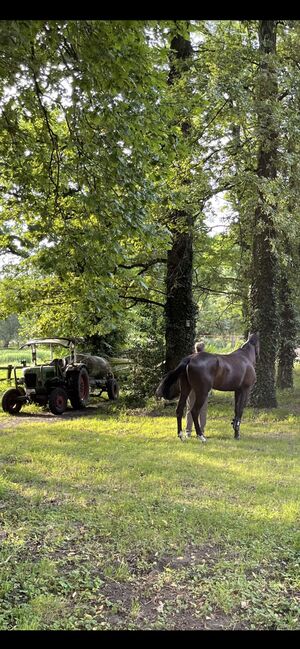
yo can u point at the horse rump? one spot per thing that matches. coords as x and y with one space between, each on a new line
169 387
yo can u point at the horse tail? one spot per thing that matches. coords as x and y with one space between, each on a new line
164 388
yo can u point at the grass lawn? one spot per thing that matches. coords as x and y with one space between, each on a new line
108 521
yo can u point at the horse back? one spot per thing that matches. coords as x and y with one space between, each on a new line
235 371
220 371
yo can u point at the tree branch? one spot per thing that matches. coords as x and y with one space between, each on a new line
205 289
53 136
137 299
144 266
213 118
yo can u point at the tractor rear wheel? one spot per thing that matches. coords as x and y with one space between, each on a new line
58 401
10 402
112 389
79 388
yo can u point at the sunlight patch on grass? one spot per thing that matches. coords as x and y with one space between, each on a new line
93 507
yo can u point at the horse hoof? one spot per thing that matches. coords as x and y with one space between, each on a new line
237 437
202 438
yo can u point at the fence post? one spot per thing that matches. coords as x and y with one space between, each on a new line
9 371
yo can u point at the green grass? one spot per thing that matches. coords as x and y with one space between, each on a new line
108 521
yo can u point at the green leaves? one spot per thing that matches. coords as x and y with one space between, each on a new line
83 131
96 149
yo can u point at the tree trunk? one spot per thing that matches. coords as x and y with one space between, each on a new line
287 340
264 316
180 310
288 326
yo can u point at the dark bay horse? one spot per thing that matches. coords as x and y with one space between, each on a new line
204 371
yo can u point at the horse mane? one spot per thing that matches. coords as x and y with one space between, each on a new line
253 339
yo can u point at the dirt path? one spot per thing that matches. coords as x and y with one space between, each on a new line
46 416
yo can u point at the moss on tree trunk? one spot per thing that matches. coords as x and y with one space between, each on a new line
264 320
264 313
287 339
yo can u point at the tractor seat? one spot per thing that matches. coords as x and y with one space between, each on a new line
60 362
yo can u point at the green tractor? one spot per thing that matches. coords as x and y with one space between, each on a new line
73 378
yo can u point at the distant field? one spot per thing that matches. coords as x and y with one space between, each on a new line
15 356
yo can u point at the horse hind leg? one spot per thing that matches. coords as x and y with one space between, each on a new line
185 389
200 400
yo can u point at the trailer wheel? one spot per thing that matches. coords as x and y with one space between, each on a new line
112 389
58 401
10 401
79 388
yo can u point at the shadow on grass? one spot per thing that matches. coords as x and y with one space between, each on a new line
69 413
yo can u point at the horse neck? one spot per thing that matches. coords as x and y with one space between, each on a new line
250 351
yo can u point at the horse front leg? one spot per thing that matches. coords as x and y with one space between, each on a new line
236 420
241 397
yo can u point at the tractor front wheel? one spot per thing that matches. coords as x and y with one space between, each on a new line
11 401
58 401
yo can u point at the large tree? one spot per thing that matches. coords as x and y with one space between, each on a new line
289 206
264 253
180 308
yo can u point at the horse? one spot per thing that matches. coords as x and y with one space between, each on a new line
203 372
